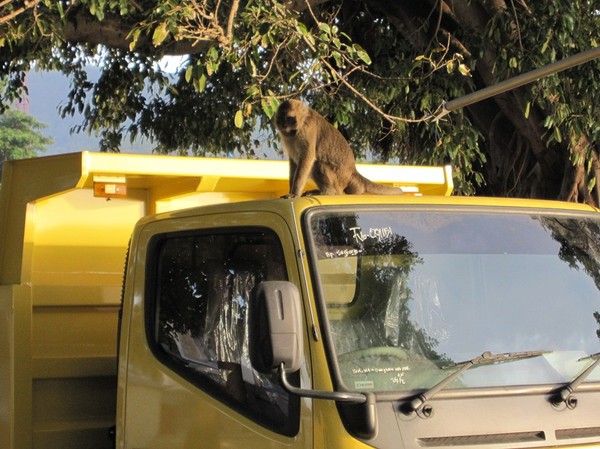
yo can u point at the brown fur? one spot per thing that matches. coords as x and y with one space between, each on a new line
317 150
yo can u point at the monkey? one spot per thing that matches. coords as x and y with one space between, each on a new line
317 150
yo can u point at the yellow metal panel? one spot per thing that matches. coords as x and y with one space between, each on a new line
70 332
164 179
61 256
467 201
6 367
73 412
207 199
75 260
15 367
156 407
52 174
80 240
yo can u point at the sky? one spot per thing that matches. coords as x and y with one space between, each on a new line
48 91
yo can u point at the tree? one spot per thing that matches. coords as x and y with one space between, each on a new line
378 70
20 136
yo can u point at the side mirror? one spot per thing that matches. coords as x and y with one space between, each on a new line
275 327
276 344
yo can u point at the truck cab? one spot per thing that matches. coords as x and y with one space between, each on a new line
416 321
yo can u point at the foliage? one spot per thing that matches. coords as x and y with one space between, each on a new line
20 136
378 70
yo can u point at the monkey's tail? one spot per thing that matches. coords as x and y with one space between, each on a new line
371 187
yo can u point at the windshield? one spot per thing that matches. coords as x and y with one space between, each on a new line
410 293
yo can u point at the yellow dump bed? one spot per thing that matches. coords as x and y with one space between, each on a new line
65 222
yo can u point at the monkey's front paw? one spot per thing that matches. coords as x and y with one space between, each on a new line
289 195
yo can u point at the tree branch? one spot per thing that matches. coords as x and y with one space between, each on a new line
26 5
342 79
112 31
232 13
82 27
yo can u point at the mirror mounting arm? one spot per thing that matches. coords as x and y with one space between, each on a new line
339 396
358 410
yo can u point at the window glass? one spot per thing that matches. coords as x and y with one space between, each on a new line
421 291
204 283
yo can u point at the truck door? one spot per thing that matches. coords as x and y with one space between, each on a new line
190 383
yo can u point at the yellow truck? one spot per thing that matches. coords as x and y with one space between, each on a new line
245 320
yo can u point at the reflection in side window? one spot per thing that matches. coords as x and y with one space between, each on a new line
203 283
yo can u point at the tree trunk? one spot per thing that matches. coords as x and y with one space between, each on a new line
574 186
520 162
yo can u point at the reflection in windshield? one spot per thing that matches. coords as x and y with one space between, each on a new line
409 292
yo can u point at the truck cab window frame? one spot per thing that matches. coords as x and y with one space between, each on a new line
198 285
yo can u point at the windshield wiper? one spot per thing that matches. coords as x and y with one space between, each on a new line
417 404
564 393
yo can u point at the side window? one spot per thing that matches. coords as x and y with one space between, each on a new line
200 286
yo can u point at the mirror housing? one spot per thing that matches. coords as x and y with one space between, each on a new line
276 344
275 327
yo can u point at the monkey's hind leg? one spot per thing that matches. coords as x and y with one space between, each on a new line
327 179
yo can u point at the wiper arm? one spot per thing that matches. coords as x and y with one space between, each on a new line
417 403
563 395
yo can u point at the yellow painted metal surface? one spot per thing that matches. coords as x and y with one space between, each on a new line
62 252
160 409
453 201
328 430
61 256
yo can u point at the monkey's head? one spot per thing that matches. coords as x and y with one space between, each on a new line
289 117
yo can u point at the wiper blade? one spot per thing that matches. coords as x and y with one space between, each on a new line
416 404
564 393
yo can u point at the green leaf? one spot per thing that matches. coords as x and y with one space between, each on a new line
338 59
201 84
253 91
269 106
325 28
253 70
61 10
239 119
188 73
302 28
362 54
134 36
591 183
160 34
557 135
527 108
264 41
292 76
464 70
212 54
547 41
